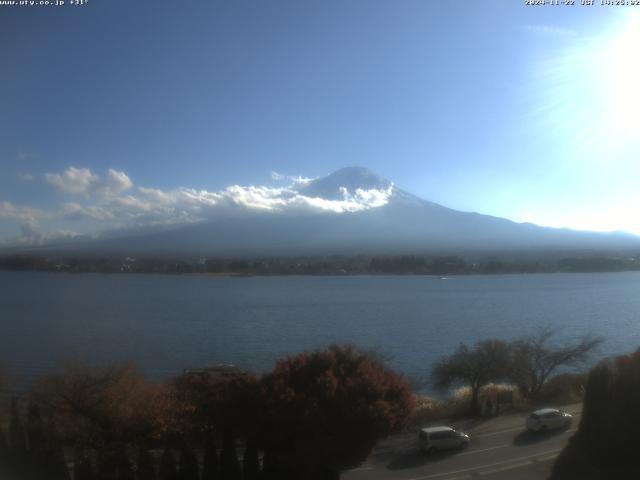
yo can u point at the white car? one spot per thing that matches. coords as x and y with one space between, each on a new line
441 438
548 419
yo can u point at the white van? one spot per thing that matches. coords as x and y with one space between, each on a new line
548 419
441 438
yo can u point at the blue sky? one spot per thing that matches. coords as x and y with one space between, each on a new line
530 113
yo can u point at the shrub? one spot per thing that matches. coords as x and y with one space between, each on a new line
606 442
563 389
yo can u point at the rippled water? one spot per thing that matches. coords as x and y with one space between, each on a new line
167 323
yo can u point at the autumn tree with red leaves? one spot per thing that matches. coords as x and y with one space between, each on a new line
106 409
325 410
206 403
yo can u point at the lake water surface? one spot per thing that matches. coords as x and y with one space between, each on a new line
168 323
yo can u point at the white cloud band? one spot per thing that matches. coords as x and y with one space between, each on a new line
113 203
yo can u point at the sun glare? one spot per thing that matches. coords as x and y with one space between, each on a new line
589 97
619 69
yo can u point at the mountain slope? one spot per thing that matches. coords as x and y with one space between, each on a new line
399 223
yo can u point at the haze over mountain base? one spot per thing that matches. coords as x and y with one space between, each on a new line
351 211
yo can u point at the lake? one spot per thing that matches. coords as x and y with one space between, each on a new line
169 323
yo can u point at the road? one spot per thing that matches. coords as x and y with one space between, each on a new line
499 449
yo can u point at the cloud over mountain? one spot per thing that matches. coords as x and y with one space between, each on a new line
82 181
184 205
113 202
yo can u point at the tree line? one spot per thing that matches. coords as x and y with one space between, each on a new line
528 363
324 265
314 415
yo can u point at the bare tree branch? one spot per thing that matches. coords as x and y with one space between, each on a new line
535 358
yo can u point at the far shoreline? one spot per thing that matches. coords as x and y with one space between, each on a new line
440 266
335 275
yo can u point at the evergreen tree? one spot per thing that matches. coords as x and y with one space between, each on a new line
271 470
5 456
83 468
37 444
107 465
210 463
54 460
125 470
17 442
35 429
251 463
17 438
606 443
188 464
229 464
167 470
146 469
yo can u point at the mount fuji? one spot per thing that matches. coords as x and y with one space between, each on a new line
358 212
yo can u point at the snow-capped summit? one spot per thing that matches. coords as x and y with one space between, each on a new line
351 179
